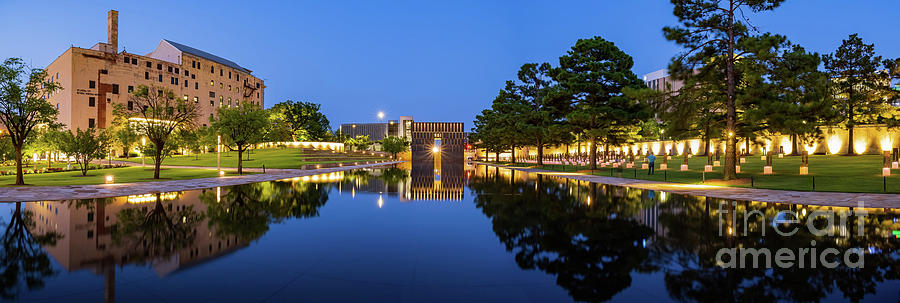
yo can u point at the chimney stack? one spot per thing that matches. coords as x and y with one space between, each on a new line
112 30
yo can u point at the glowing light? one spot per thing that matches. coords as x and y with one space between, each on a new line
109 179
860 145
834 144
811 148
786 144
380 115
380 202
680 147
655 148
695 147
887 143
145 198
221 173
435 150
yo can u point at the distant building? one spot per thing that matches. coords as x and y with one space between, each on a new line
95 79
379 130
661 81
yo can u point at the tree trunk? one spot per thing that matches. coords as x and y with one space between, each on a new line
513 154
729 171
20 180
157 158
593 152
794 147
240 160
540 152
496 156
851 150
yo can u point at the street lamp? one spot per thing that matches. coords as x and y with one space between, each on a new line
143 148
219 152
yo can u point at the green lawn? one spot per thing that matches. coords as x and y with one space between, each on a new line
830 173
270 157
121 175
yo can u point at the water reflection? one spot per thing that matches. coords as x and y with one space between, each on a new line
587 242
594 238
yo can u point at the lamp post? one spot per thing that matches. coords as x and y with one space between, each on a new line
218 152
143 148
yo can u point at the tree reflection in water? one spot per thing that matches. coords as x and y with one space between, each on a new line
22 259
156 232
246 211
592 238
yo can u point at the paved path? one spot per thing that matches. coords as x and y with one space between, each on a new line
733 193
46 193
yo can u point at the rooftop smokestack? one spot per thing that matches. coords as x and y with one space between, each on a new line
112 30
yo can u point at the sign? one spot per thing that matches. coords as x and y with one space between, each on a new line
82 91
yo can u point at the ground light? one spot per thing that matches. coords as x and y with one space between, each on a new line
435 149
109 179
221 173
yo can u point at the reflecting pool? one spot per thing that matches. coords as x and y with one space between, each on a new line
459 233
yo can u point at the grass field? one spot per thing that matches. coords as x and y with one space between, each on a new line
271 158
826 173
120 175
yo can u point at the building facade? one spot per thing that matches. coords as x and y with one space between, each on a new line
379 130
445 142
94 80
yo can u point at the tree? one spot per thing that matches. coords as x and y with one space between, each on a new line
544 123
85 146
23 104
359 143
156 114
799 101
854 70
711 29
303 119
486 133
596 74
394 145
241 127
125 135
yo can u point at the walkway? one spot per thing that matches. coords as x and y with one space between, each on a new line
47 193
733 193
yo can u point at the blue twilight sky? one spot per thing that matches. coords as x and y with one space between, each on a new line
435 60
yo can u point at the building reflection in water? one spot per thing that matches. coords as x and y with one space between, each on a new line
594 237
419 181
168 232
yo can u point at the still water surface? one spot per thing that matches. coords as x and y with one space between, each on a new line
466 234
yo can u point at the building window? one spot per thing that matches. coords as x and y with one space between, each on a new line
186 73
127 60
90 217
104 72
198 64
185 97
193 76
221 72
133 61
159 66
229 87
212 103
90 234
212 69
211 117
193 64
91 123
221 85
92 101
160 77
92 84
130 88
171 80
130 105
146 75
177 71
196 100
115 89
170 68
149 65
229 74
185 83
212 94
257 85
237 77
196 85
212 83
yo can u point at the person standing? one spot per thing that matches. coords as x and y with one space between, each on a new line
652 160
